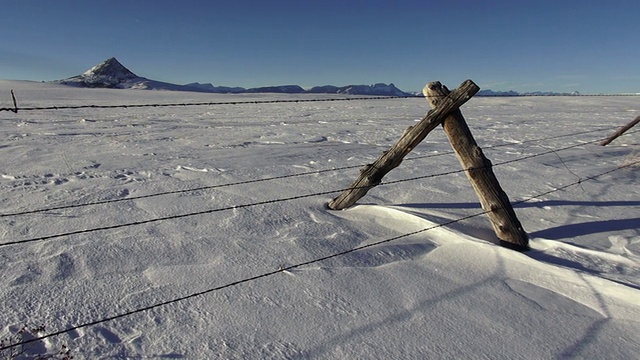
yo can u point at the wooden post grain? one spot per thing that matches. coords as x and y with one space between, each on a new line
479 172
372 174
620 131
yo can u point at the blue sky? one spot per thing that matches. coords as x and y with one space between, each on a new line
558 45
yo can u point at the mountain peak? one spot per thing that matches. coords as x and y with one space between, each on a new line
112 68
108 74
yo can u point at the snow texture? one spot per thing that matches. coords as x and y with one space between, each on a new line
449 292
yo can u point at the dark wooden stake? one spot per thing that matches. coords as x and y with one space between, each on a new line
15 103
479 172
372 174
620 131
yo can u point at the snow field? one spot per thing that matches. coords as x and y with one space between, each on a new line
447 292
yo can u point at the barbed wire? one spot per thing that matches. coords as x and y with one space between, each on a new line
272 201
15 109
305 263
204 103
314 172
171 217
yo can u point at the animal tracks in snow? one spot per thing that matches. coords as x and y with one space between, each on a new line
37 180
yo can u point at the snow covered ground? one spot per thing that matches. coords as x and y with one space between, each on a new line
447 292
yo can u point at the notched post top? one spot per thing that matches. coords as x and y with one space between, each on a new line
434 92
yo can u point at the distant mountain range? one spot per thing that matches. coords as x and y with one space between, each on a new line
112 74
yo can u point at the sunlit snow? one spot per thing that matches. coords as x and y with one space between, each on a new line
449 292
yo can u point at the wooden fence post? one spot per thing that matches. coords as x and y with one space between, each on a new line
479 172
372 174
620 131
15 104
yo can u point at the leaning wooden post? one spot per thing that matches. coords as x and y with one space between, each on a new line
620 131
478 169
372 174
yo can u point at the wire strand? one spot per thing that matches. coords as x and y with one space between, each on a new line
126 106
210 103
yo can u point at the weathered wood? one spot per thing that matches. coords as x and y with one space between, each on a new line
479 172
372 174
15 104
620 131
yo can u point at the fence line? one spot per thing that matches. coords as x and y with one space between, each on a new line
62 207
297 197
298 265
210 103
15 109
